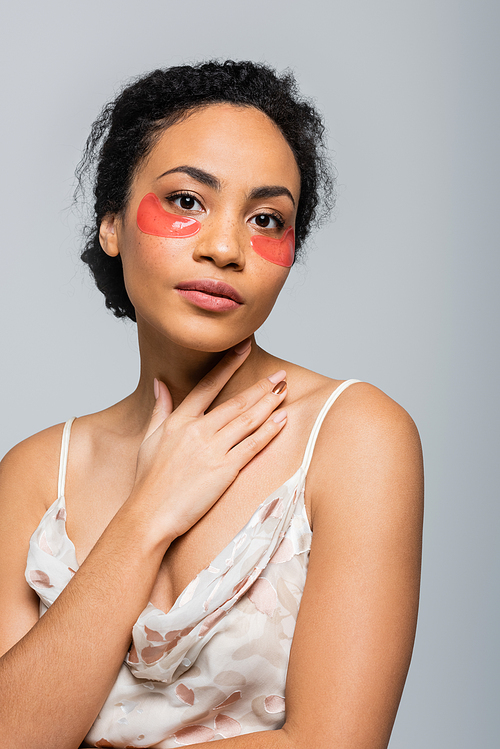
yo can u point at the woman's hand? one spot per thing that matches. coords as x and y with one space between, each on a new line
186 461
188 458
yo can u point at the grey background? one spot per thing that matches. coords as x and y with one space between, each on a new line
400 290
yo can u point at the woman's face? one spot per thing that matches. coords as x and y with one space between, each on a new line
231 170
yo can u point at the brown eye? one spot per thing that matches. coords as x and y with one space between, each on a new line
268 221
187 202
263 220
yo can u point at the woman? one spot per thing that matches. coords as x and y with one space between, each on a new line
172 616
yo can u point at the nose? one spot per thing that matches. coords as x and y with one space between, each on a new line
222 242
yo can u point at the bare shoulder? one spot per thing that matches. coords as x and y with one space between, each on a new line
368 450
363 410
357 618
28 473
28 486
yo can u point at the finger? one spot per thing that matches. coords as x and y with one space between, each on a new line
252 445
163 408
243 402
201 396
247 422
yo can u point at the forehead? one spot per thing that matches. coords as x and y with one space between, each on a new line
234 143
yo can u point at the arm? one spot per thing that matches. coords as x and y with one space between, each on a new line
354 635
80 641
361 598
65 663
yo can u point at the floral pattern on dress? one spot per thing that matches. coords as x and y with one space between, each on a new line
214 666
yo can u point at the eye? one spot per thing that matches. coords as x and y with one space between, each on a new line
268 221
186 201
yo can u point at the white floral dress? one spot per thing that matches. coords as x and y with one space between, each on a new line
215 665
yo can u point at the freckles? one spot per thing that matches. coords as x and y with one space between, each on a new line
278 251
153 219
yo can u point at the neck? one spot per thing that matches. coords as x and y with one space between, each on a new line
181 369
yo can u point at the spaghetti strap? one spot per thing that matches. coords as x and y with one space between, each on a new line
63 460
210 618
317 424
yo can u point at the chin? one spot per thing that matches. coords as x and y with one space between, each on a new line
204 335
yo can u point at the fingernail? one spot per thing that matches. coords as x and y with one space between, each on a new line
279 388
156 388
279 417
243 346
278 377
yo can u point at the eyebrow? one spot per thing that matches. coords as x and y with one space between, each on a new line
271 191
198 174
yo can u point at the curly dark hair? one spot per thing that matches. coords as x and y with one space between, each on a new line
127 129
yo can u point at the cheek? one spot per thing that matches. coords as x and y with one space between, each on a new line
268 281
278 251
153 219
145 259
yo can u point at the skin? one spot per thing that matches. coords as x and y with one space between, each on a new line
354 634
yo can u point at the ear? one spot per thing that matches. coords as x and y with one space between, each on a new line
107 236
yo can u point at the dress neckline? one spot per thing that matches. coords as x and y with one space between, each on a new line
60 503
292 486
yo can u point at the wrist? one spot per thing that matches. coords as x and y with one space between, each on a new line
147 522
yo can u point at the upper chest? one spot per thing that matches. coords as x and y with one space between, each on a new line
99 482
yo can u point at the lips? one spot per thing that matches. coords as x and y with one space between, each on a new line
211 287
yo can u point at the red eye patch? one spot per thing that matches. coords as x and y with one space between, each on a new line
153 219
278 251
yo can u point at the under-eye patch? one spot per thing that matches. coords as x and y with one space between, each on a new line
278 251
153 219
